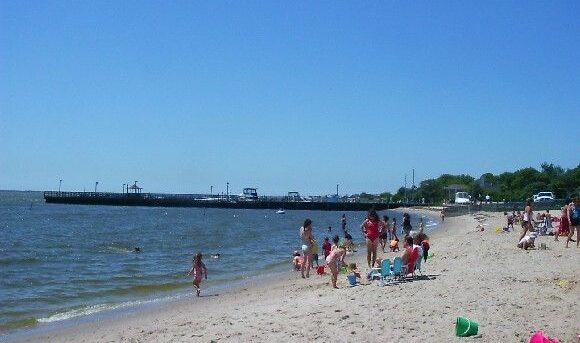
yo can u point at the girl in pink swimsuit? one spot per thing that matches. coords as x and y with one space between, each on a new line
370 228
333 259
198 270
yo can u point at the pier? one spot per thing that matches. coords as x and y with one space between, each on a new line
207 201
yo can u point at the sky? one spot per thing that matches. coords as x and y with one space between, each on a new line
187 96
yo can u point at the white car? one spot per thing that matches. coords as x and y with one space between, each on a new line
462 198
544 197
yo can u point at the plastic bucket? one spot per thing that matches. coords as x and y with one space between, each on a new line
465 327
351 280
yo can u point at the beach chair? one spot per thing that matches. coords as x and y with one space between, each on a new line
542 227
384 271
397 268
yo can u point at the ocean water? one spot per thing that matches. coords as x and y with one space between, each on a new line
59 262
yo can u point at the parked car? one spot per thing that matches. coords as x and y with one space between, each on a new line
462 198
544 197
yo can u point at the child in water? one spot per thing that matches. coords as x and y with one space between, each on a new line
198 270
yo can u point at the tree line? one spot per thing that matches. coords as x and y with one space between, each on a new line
507 186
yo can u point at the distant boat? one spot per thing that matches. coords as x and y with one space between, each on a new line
280 211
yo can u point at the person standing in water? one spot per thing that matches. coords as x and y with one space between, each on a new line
343 222
306 238
385 235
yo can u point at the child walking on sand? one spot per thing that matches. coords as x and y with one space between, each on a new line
198 269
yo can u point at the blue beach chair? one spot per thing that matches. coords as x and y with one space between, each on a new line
398 267
384 271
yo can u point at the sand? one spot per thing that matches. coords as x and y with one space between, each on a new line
509 292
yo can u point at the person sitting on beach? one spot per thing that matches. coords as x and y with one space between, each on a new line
334 259
297 260
352 269
198 269
410 255
528 241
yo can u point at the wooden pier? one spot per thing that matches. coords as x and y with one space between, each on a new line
206 201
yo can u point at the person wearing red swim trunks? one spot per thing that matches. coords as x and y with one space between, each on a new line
370 229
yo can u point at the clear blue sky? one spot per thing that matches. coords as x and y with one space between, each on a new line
283 96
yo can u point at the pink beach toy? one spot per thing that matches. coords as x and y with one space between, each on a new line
539 337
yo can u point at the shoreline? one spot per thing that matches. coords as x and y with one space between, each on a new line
98 312
509 292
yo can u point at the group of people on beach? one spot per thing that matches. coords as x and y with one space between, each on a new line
375 231
565 225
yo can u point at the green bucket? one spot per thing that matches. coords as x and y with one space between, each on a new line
465 327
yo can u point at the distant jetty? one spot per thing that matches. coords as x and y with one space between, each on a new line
208 201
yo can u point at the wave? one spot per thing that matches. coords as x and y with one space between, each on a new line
84 311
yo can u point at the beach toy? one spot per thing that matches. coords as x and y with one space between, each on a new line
539 337
498 229
320 270
351 280
562 282
343 270
465 327
430 255
304 247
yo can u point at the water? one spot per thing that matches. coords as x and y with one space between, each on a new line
59 262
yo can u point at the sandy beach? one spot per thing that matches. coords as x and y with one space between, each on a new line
509 292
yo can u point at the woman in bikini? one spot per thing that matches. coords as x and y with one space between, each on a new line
527 223
564 227
370 229
306 238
